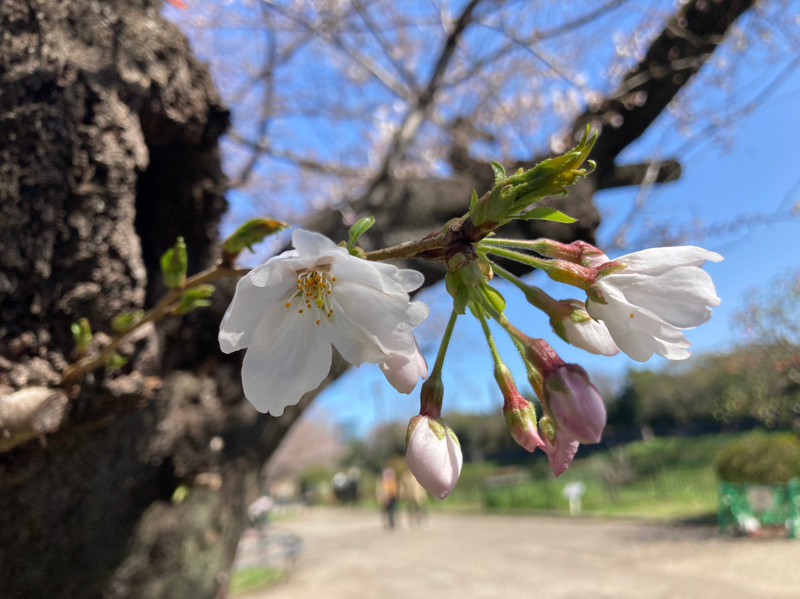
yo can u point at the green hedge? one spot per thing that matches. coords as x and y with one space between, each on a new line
759 458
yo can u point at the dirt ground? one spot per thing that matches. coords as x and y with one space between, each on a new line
348 554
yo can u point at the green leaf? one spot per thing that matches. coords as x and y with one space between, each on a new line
122 323
174 263
115 361
81 335
180 494
194 298
499 172
245 237
361 226
549 214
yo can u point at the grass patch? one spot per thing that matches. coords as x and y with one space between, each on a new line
254 579
664 478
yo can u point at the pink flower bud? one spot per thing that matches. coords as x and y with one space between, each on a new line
575 404
521 424
589 255
433 455
404 371
519 413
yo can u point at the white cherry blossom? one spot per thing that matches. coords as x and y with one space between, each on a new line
648 298
289 311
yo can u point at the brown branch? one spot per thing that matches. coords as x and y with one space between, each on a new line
165 307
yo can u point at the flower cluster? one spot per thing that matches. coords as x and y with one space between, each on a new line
293 310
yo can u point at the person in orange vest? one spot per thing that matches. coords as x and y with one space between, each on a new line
387 491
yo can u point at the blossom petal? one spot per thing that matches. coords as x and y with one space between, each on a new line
314 245
390 318
404 371
639 333
560 452
247 309
680 296
287 357
657 260
386 278
590 335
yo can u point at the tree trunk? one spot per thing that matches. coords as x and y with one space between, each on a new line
110 151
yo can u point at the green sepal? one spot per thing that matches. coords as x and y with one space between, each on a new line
81 335
458 291
174 263
361 226
194 298
245 237
439 428
122 323
493 298
547 428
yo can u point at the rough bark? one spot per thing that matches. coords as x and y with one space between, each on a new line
108 151
109 132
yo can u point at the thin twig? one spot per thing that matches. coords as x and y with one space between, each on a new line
74 372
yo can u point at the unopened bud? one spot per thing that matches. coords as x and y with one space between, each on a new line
575 404
433 455
519 413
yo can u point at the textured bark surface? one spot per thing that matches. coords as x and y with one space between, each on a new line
108 151
109 134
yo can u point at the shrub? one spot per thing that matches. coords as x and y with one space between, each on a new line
763 459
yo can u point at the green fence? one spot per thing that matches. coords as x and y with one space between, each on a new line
758 509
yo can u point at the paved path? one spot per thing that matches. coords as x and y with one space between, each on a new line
347 554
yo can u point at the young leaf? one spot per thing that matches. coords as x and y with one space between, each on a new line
81 335
473 201
115 361
549 214
499 172
245 237
361 226
122 323
194 298
174 263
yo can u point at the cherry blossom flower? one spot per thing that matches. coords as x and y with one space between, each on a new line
433 455
289 311
648 298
